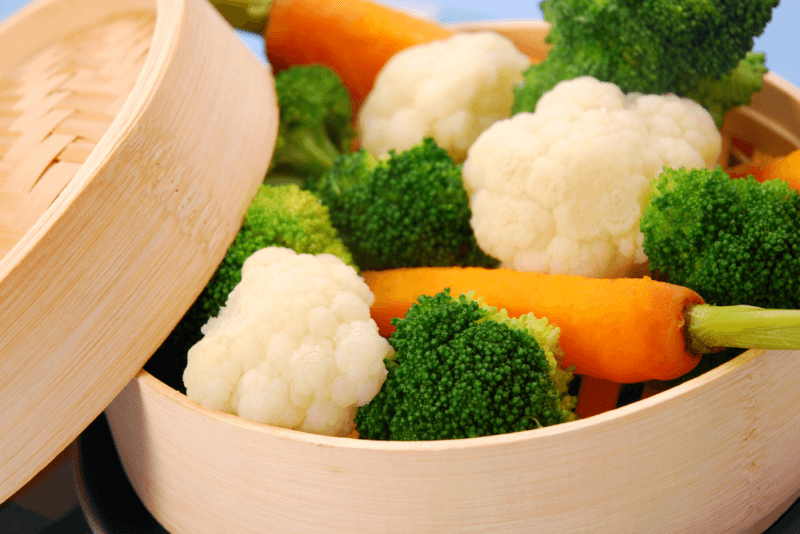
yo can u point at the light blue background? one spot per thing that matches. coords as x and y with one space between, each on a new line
780 40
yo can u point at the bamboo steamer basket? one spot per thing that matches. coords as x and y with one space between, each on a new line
126 164
715 454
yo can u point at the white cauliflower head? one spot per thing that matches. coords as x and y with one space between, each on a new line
450 89
562 190
294 347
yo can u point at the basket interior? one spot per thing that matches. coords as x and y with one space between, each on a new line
55 106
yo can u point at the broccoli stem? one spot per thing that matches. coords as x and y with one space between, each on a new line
711 328
247 15
278 179
311 153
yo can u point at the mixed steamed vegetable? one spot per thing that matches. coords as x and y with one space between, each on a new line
452 239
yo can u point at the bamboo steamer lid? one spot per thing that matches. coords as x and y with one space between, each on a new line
127 162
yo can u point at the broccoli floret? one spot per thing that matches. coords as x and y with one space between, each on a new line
734 241
463 369
732 90
645 46
315 123
284 216
410 210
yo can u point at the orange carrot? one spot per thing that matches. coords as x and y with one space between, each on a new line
653 387
785 168
624 330
764 167
596 395
354 37
755 167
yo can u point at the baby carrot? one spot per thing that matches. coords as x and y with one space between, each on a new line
596 395
764 167
625 330
755 167
653 387
355 38
785 168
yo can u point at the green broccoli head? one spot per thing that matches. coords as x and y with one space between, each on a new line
645 46
733 89
315 122
284 216
462 369
734 241
410 210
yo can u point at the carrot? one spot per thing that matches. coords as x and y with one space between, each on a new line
764 167
596 395
653 387
785 168
624 330
354 37
755 167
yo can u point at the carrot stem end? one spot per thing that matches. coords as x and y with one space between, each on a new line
747 327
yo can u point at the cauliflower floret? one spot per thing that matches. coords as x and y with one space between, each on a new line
450 89
294 346
562 190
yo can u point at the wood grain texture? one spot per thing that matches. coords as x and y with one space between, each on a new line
116 238
717 454
713 455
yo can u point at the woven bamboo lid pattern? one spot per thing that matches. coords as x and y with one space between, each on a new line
56 106
133 135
